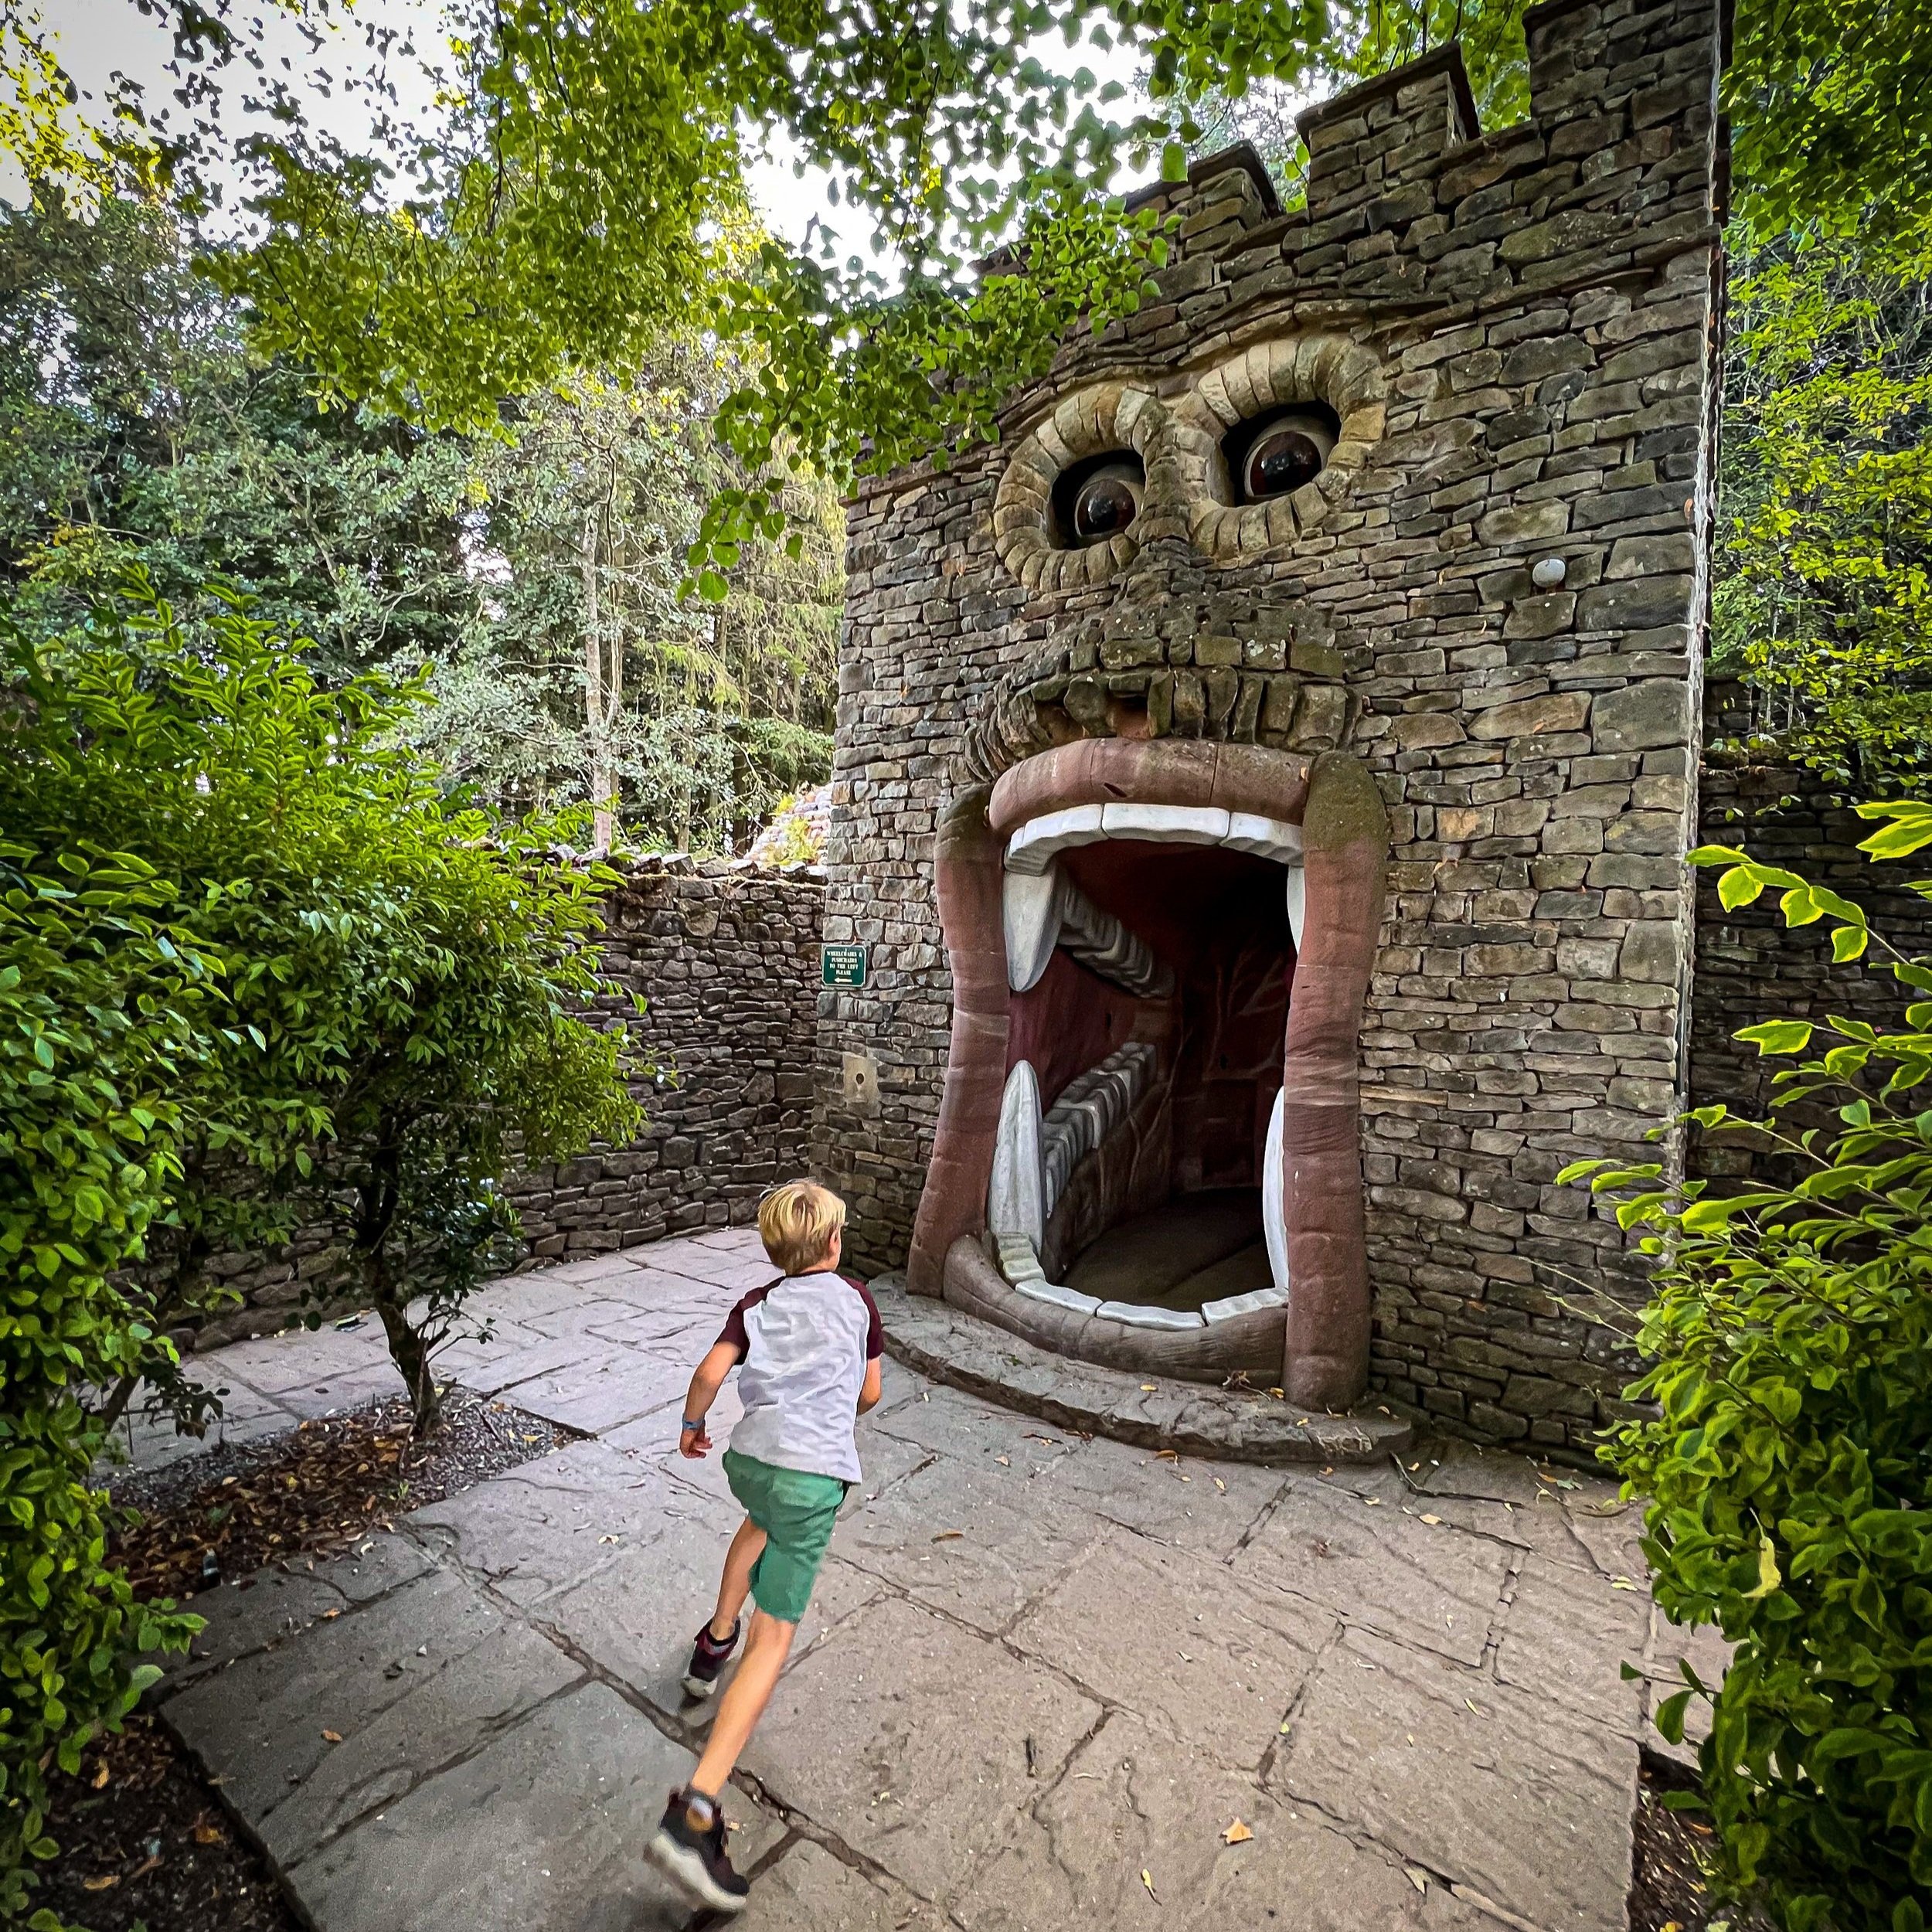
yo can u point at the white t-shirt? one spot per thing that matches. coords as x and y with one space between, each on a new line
804 1344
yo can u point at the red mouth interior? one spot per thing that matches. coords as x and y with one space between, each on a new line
1218 920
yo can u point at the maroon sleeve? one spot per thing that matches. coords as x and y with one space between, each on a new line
875 1335
733 1334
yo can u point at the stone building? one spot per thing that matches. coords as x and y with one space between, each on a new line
1263 776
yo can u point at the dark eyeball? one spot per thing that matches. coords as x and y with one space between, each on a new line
1105 504
1285 455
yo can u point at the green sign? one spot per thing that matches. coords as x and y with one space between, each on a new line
842 965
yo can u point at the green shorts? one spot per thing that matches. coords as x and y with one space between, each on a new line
796 1510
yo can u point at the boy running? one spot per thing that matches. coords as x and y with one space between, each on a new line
808 1349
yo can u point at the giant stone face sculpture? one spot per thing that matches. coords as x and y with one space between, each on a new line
1263 778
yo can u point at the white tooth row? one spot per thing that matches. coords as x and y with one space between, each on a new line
1088 1110
1042 910
1033 930
1035 1156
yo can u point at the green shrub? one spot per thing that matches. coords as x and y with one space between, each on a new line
1788 1468
391 973
255 970
97 1004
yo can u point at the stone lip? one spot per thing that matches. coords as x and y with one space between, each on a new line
1150 1412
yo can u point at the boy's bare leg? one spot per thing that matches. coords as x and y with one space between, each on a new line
744 1701
734 1585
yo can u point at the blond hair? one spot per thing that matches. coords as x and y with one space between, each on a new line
797 1222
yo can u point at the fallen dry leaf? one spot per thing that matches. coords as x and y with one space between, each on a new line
1147 1879
1419 1879
1148 1388
332 1737
106 1883
1236 1834
101 1775
207 1833
1432 1521
949 1536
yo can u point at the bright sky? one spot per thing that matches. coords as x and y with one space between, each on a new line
96 39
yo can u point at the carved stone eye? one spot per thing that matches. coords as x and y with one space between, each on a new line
1097 500
1282 453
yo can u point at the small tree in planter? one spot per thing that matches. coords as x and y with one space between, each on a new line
1788 1469
469 960
390 977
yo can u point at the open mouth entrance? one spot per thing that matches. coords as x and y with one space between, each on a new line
1159 950
1144 1068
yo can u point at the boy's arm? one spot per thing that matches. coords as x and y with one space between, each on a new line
869 1391
719 1362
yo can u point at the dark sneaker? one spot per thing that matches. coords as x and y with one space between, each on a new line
694 1856
709 1656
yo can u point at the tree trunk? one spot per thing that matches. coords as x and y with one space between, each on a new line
412 1362
598 697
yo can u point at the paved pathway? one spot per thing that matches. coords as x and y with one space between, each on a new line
1042 1679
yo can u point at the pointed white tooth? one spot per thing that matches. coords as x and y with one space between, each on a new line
1274 1224
1177 824
1298 904
1016 1196
1249 1304
1030 908
1071 1299
1032 848
1274 839
1139 1315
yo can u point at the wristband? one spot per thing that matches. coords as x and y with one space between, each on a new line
687 1423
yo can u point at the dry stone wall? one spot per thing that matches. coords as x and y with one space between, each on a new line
725 957
1750 966
1499 608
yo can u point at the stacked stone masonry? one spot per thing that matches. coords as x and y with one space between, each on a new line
724 957
1539 302
1751 967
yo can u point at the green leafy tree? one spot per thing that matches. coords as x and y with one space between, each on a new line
391 1014
138 426
1823 601
1789 1346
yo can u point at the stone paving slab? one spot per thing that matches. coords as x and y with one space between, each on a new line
1152 1411
1560 1625
541 1828
284 1599
809 1890
974 1541
1210 1507
1040 1661
1426 1583
1501 1793
312 1730
1134 1802
545 1524
1171 1635
915 1741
